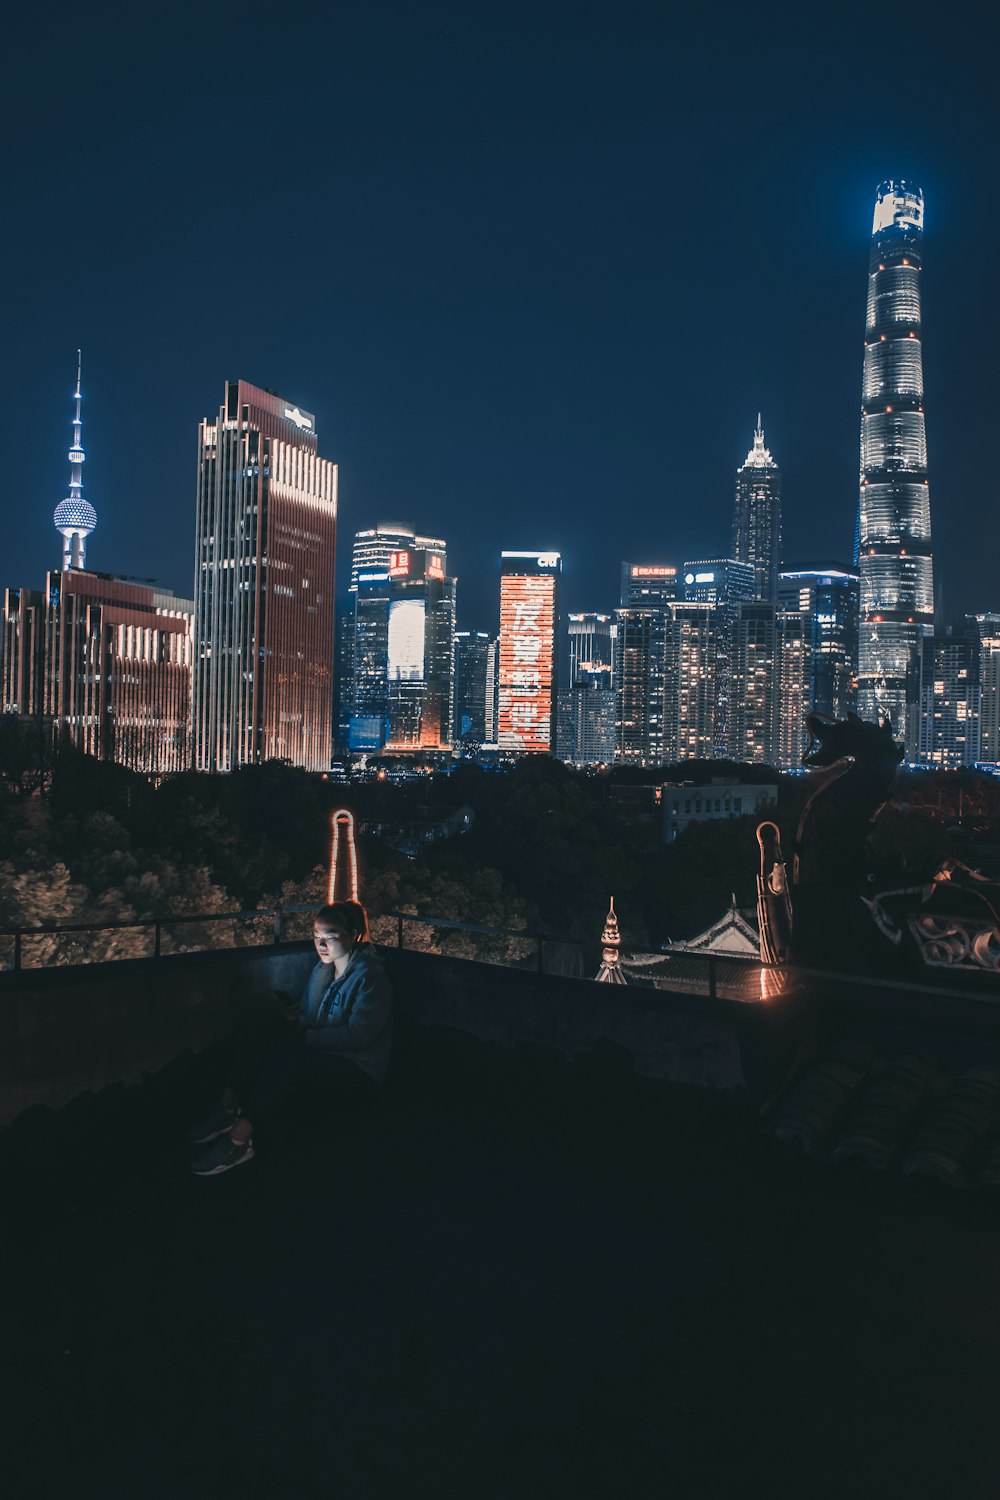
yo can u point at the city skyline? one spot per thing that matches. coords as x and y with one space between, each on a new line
514 357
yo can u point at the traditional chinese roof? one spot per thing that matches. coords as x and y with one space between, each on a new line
732 933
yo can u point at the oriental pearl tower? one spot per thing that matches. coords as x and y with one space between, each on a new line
74 517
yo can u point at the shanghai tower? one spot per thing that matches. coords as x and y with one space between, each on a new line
893 543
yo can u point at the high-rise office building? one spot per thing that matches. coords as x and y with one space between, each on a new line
493 692
264 586
588 712
951 698
373 547
755 683
370 554
104 664
75 518
988 626
23 652
893 539
772 676
343 670
795 680
419 651
724 583
475 674
757 516
528 652
591 644
827 594
693 656
403 654
639 677
587 708
641 626
369 717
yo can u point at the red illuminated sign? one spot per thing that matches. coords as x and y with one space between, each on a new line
527 638
435 567
654 572
399 564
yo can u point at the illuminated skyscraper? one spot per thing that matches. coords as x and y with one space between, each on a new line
404 625
640 661
374 546
691 693
757 516
370 554
724 583
528 661
591 645
952 696
75 518
264 579
795 676
988 626
827 594
473 687
368 724
587 715
755 683
419 651
894 515
587 709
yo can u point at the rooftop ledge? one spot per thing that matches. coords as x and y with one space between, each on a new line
542 1265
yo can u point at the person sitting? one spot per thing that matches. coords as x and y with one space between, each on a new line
341 1043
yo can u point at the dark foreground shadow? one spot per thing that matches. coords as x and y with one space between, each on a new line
518 1276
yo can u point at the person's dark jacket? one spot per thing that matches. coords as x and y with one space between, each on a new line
352 1015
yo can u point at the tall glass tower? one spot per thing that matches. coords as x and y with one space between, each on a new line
893 543
757 516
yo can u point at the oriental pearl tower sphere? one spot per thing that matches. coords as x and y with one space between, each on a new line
75 518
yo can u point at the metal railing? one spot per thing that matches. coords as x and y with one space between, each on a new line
269 926
722 975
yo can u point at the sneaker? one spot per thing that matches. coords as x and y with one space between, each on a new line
219 1122
221 1156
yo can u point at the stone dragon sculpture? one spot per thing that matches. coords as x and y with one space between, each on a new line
846 906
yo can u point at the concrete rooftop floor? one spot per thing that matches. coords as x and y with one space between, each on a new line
519 1276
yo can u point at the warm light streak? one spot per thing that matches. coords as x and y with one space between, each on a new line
343 858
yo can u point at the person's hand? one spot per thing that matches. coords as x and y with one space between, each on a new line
287 1004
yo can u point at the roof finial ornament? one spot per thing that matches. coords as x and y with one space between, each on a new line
610 971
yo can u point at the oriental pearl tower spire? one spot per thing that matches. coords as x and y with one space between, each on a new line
75 518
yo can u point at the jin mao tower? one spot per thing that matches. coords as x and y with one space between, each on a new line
757 516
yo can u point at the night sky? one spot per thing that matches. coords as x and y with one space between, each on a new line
534 268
